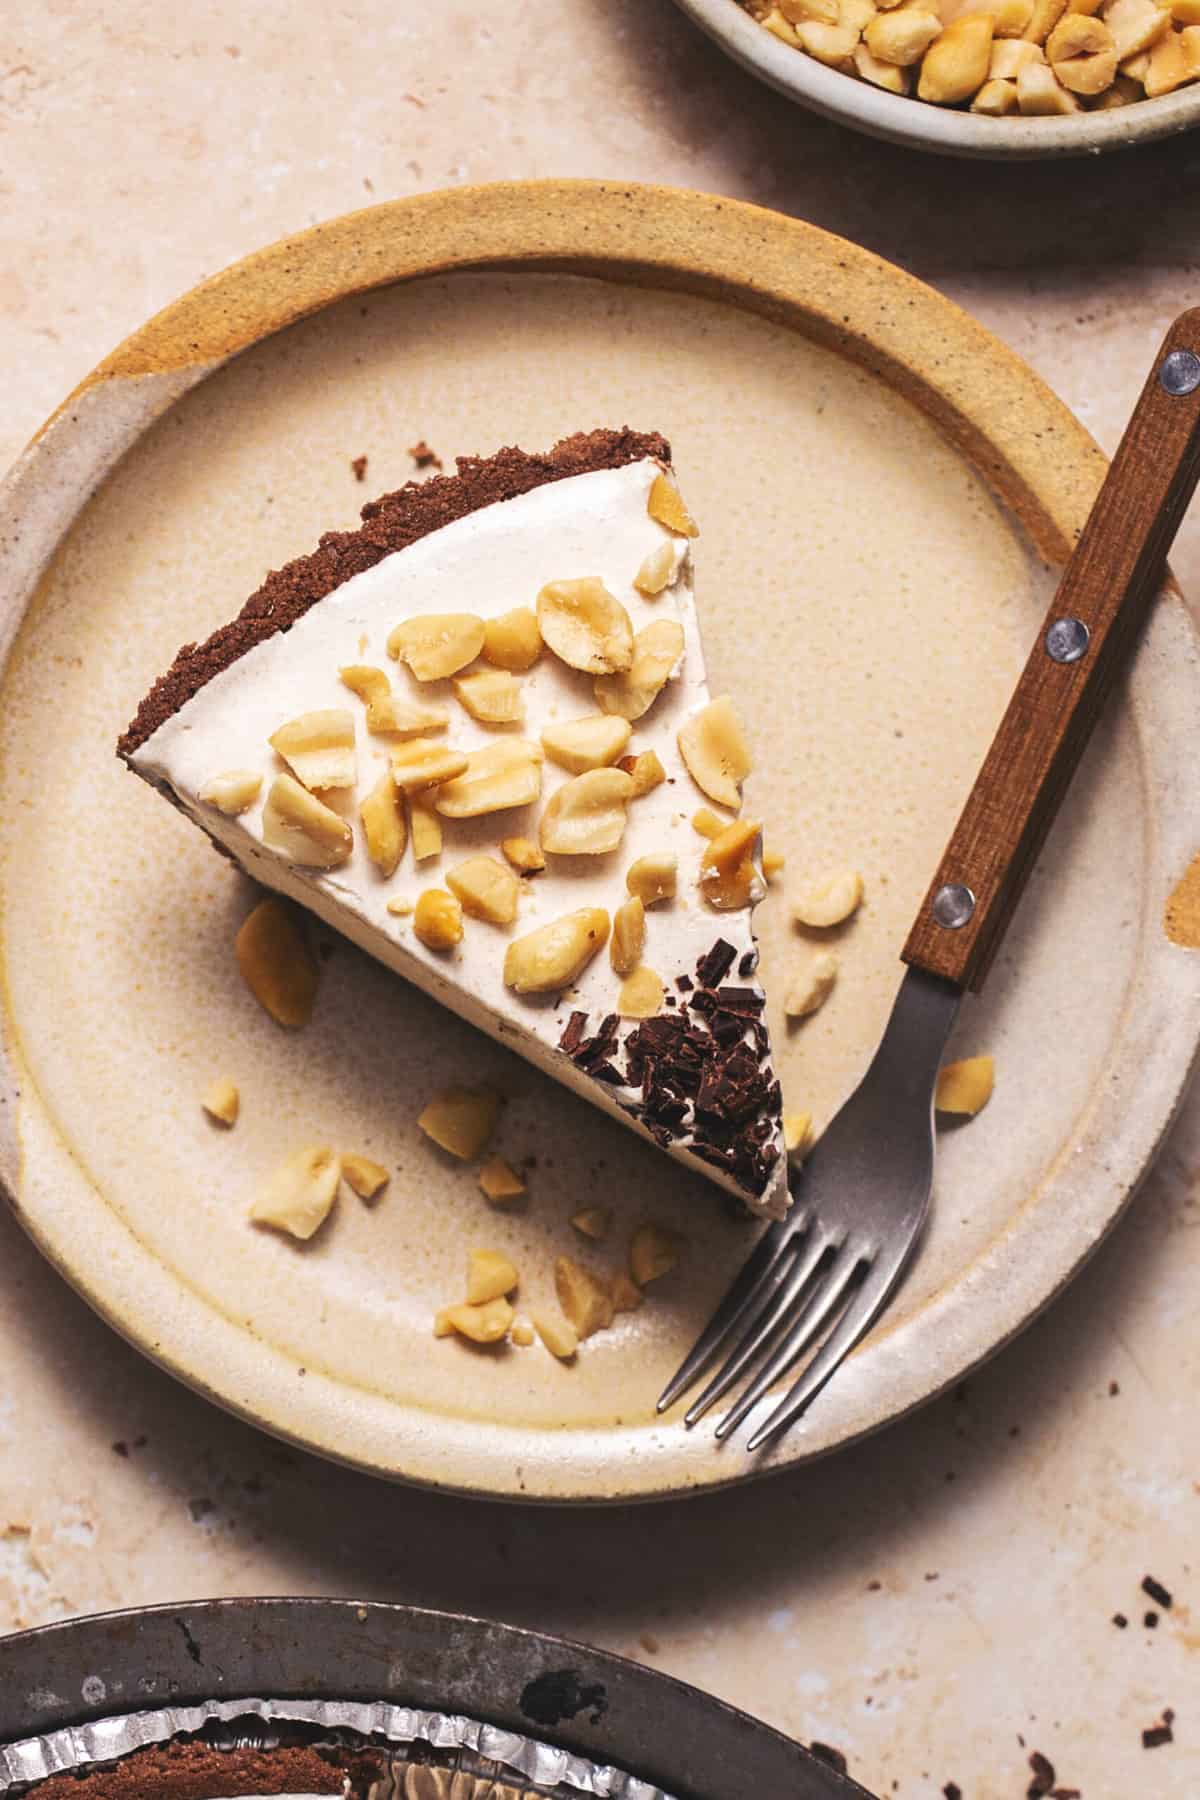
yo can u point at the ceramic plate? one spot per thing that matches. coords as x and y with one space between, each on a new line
881 488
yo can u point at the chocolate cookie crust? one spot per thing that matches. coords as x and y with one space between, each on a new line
198 1771
390 523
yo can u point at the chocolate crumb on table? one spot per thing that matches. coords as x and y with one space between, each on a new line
1120 1621
423 456
1157 1735
952 1791
1043 1776
1157 1592
359 465
1150 1620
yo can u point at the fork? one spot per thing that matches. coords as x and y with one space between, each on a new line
864 1193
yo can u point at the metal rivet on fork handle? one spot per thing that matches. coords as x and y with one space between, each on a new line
1180 373
953 906
1066 640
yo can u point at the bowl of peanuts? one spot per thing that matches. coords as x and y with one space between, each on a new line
1001 79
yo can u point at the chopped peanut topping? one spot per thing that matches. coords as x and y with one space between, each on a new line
500 1182
665 503
522 1334
560 1339
586 816
513 640
593 1222
657 571
706 822
401 907
582 744
713 746
318 748
388 716
303 828
486 1324
552 957
461 1120
585 1300
653 878
365 1177
641 995
645 770
437 645
728 877
492 696
657 655
232 793
300 1194
965 1087
490 1276
384 825
222 1102
1081 52
275 962
486 889
902 36
426 829
625 1294
628 936
423 763
501 775
653 1253
585 626
524 855
438 920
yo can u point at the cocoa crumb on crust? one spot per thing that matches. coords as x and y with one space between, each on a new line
392 522
198 1771
359 466
423 456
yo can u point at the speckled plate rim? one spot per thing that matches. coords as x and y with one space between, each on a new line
1040 461
918 126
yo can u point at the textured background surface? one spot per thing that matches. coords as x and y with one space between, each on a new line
938 1602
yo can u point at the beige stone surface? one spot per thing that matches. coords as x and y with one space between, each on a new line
144 147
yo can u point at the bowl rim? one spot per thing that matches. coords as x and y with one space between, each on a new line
898 120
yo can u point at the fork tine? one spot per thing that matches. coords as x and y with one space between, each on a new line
827 1296
760 1325
854 1323
754 1273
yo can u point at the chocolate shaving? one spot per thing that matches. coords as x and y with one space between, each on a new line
1157 1592
748 964
572 1037
740 1000
1043 1776
715 965
1157 1735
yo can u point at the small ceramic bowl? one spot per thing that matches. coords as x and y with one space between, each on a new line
923 127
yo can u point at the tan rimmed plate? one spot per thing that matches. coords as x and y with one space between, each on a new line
878 481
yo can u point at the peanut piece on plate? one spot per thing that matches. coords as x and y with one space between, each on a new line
594 742
504 774
587 815
797 11
777 25
222 1101
641 995
365 1177
653 1253
665 503
522 1334
855 15
524 855
438 644
1010 56
318 748
560 1339
653 878
401 907
513 640
500 1183
275 962
624 1292
658 568
490 1276
902 36
812 985
832 45
388 716
384 825
831 900
549 959
1135 26
300 1194
713 746
423 763
773 863
707 824
996 98
585 625
303 828
461 1120
965 1087
1123 92
1084 6
956 63
1013 17
1041 94
438 919
797 1133
1169 66
425 827
492 696
1044 17
486 1324
584 1300
628 936
593 1222
645 770
231 793
1135 68
657 656
1081 52
880 74
728 877
485 888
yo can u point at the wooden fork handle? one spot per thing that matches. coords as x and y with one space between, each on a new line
1086 641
